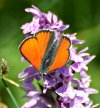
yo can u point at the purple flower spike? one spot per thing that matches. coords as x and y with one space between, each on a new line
60 88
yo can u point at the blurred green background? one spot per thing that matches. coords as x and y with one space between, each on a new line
83 16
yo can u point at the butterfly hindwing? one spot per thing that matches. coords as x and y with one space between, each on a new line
34 48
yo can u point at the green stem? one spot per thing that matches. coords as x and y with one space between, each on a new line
11 81
10 93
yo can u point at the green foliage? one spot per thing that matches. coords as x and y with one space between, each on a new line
83 17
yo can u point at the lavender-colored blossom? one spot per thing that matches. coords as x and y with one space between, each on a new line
60 89
42 21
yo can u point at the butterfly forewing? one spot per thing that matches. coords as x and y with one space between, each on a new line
62 54
34 48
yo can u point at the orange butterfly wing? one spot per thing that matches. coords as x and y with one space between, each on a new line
33 48
62 54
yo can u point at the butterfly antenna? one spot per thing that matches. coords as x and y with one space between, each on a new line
23 79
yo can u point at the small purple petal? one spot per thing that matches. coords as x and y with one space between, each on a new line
31 27
62 105
78 82
63 27
32 93
77 67
83 51
54 19
36 102
86 81
23 74
28 86
74 56
65 91
91 91
23 59
47 26
49 17
76 41
34 11
83 74
88 59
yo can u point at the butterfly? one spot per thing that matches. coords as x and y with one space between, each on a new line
44 52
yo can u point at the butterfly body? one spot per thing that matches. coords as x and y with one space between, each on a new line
49 57
44 52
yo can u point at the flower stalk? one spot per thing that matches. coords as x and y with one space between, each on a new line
9 92
4 71
11 82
